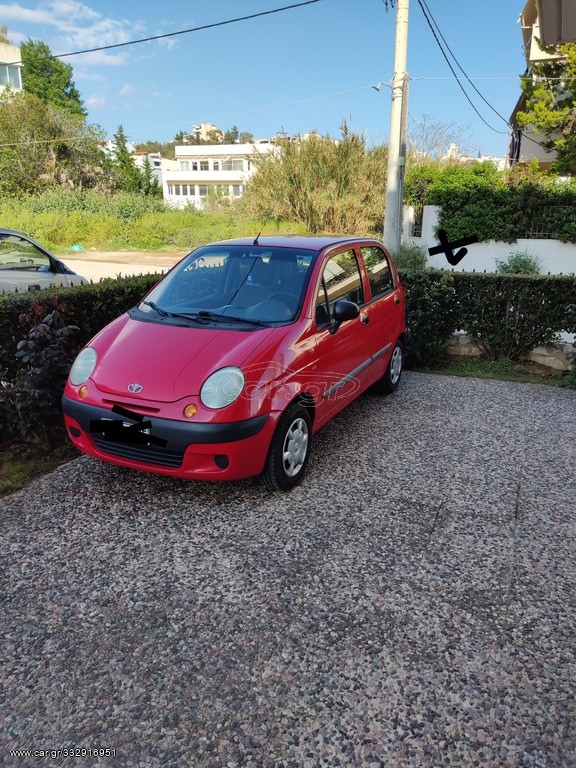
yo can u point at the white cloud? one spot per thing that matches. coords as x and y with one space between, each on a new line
96 102
77 27
15 12
126 89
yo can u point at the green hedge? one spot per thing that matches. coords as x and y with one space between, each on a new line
90 307
41 332
480 200
510 314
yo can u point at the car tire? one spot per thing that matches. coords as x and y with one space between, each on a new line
391 379
289 450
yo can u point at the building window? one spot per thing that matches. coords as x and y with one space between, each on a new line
204 165
170 189
216 165
10 75
184 165
232 165
194 165
202 190
176 189
184 189
236 190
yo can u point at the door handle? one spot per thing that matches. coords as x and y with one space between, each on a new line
365 319
396 300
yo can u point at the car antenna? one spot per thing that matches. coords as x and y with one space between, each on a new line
259 233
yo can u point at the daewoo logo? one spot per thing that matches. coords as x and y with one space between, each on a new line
135 388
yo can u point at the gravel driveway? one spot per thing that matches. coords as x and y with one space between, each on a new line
411 604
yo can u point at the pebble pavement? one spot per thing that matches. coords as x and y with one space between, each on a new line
412 603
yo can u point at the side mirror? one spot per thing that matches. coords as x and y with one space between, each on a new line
343 310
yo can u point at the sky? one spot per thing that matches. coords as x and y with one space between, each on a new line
303 69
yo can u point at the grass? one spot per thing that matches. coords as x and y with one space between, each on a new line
503 370
128 222
22 463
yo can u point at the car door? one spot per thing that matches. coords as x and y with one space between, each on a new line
340 369
385 308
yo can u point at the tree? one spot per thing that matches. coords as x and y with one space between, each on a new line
231 136
428 139
550 91
329 186
49 78
128 177
42 146
150 185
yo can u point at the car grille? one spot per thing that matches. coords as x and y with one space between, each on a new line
150 454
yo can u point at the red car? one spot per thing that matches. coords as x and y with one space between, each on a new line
238 356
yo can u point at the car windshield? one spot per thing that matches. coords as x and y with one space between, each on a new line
259 285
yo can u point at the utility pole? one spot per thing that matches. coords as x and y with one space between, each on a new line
397 143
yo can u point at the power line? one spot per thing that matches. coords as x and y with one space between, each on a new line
211 119
454 73
182 31
422 3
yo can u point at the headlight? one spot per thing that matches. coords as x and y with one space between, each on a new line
83 366
222 387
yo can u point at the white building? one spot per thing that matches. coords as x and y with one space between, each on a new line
10 67
154 158
198 171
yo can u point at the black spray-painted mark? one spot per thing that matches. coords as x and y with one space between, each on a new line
448 248
120 432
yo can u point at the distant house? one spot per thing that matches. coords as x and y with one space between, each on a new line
10 67
155 160
524 145
203 170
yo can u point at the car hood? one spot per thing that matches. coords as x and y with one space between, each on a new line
164 363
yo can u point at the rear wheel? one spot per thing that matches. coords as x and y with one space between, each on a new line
289 450
389 382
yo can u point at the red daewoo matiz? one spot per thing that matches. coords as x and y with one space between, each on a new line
237 356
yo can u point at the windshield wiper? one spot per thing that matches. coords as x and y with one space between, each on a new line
166 313
217 316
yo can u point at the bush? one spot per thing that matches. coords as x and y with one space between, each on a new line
89 307
519 263
30 401
411 257
480 200
431 315
512 314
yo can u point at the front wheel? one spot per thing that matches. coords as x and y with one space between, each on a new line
389 382
289 450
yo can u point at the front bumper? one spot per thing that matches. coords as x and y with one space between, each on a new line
207 451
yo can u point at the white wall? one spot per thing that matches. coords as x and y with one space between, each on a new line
556 257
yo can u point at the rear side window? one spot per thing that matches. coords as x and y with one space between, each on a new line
378 268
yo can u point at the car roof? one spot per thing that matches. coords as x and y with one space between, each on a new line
312 243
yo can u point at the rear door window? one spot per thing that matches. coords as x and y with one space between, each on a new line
378 268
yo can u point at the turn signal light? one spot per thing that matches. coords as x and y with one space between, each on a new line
82 392
190 410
